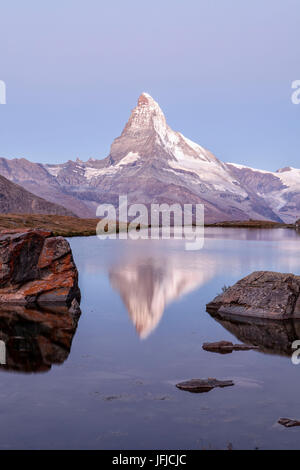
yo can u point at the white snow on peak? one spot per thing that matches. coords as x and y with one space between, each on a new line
91 172
147 95
53 170
241 167
131 157
290 177
278 198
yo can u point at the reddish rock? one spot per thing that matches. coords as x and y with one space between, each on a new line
36 268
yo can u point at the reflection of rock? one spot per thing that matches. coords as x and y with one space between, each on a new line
34 339
271 336
36 267
147 285
262 294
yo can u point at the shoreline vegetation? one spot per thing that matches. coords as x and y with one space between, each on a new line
68 226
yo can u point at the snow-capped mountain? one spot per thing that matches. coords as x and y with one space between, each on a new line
151 163
280 189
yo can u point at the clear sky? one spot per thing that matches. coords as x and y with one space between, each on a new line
220 70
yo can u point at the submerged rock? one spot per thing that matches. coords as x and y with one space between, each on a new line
203 385
36 268
289 423
226 347
261 294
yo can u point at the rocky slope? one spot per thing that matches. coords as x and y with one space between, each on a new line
280 190
37 180
15 199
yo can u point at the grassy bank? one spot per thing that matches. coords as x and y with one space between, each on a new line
58 224
76 227
251 224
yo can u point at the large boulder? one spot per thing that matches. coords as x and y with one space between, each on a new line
37 268
261 294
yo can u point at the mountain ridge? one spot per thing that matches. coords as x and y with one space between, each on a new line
15 199
151 163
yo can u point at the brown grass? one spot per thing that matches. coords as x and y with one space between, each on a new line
252 224
58 224
75 227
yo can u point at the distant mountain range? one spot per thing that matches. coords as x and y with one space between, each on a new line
151 163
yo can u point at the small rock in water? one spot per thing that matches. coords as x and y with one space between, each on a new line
289 423
226 347
203 385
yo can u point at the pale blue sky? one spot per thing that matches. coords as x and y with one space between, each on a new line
221 71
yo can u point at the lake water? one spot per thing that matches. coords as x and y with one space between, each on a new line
141 331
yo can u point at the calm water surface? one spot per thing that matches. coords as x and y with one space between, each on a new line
141 331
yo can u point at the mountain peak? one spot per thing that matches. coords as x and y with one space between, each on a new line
146 118
285 169
145 100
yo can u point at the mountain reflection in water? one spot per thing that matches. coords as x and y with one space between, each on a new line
32 339
147 284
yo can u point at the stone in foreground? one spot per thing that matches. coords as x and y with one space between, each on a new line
203 385
226 347
262 294
37 268
289 423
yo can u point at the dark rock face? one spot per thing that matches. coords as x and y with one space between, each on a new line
16 200
226 347
37 268
33 339
203 385
261 294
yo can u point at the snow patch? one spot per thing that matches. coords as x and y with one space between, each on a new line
53 170
131 157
